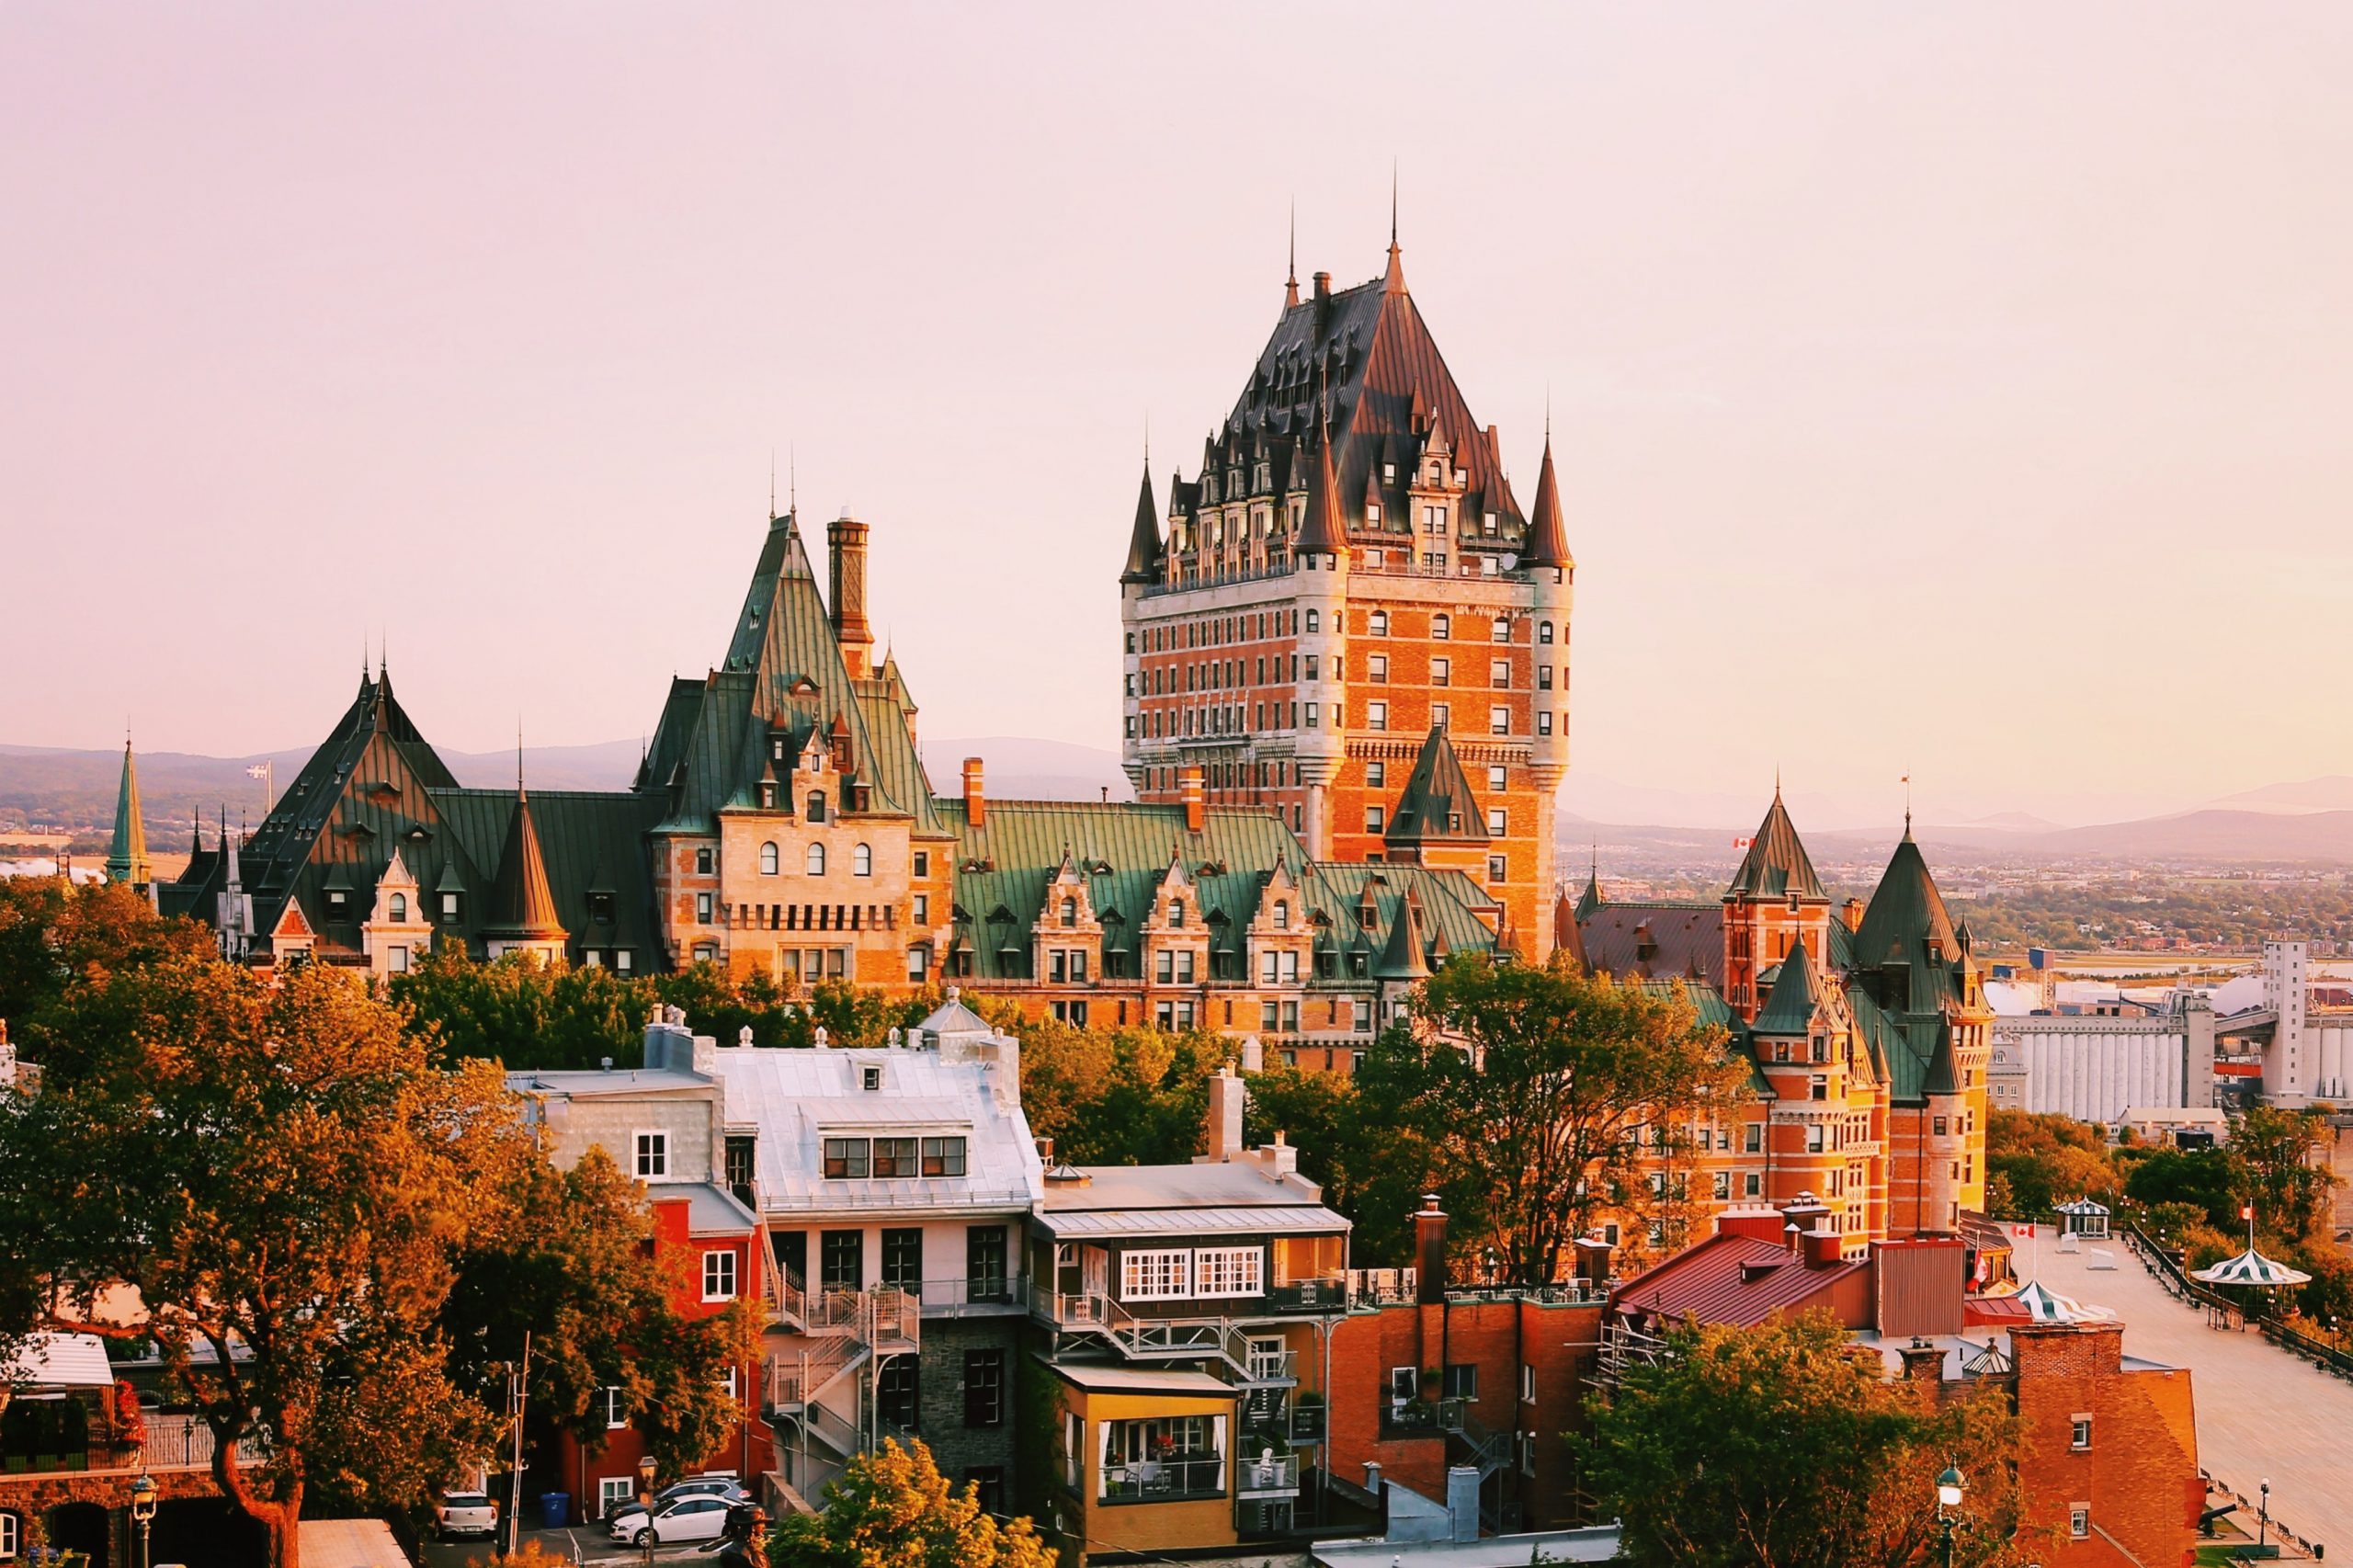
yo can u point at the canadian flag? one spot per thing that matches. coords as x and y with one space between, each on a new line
2022 1230
1742 843
2246 1210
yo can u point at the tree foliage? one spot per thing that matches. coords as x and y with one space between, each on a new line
2048 1160
892 1508
1783 1447
55 934
1119 1097
2273 1162
1560 1087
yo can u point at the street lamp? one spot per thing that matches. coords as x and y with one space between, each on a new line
1948 1490
2262 1514
645 1497
143 1510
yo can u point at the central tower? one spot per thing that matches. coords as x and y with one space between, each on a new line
1349 577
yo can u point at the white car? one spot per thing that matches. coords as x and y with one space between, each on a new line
725 1487
462 1514
700 1517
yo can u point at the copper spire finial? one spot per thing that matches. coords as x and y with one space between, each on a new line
1291 282
1395 278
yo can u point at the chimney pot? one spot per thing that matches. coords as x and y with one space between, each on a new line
1323 285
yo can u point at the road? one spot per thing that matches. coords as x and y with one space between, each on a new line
2262 1413
585 1544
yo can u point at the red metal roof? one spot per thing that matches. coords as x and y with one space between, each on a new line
1730 1279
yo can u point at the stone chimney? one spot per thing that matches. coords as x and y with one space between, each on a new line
1429 1251
1276 1160
846 537
976 806
1227 1095
1190 791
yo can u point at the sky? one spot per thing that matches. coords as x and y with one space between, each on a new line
1957 391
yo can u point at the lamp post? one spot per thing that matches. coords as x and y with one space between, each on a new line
645 1498
1948 1490
143 1510
2262 1514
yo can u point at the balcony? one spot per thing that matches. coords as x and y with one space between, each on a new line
974 1298
1177 1479
1264 1369
1268 1475
1309 1296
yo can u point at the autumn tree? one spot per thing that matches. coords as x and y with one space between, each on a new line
1125 1097
1533 1096
2047 1159
2274 1167
570 1257
1783 1446
281 1175
891 1508
55 934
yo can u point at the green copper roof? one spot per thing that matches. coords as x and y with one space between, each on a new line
1777 864
1907 920
1438 804
1590 899
1402 958
127 852
1789 1009
521 904
1143 541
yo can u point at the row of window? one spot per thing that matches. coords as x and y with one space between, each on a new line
841 1260
861 1159
1233 719
1191 1273
862 861
1216 632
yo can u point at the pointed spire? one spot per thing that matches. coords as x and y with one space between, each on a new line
1143 536
1590 899
1393 281
1777 865
1291 283
522 904
1402 958
1789 1009
1438 802
1548 538
1321 532
127 854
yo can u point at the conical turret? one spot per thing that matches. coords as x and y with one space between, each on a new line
522 905
1321 532
1548 539
1144 540
127 853
1777 865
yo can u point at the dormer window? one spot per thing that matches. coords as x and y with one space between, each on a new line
1372 512
870 1079
1282 916
775 748
600 906
816 805
1387 473
767 796
1070 912
398 905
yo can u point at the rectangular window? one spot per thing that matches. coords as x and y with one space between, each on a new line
1185 967
396 960
718 1275
1155 1275
1376 715
1499 721
1751 1184
1813 1139
1498 868
845 1158
1526 1383
1940 1126
702 909
1441 672
1499 823
1266 1011
615 1493
1461 1380
1376 667
2079 1521
1311 716
943 1156
923 862
984 1263
841 1256
1373 817
1723 1186
2081 1432
1228 1271
1364 1017
983 1388
923 909
894 1157
903 1258
1499 673
616 1402
1376 775
1442 715
450 908
653 1156
1545 722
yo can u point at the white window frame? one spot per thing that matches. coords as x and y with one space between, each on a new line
651 1160
2079 1521
719 1277
11 1536
1155 1273
616 1413
614 1494
1229 1271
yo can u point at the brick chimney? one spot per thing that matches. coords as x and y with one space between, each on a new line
1593 1259
1190 791
846 537
1429 1251
1852 911
1823 1248
1924 1361
1227 1096
976 805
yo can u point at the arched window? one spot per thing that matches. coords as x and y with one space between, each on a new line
1070 912
816 805
768 867
1282 916
399 907
1176 913
816 860
1377 623
1442 626
1315 620
862 861
1544 632
1502 633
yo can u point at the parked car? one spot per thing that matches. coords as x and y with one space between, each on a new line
462 1514
724 1487
698 1518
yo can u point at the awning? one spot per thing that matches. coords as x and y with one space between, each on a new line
2250 1267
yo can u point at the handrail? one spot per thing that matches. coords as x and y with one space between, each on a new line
1268 1472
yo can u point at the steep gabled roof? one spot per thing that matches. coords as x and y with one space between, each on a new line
1777 864
1438 804
1790 1010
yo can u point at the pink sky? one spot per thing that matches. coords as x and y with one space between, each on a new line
1952 388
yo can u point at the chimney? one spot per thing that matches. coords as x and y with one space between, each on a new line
1227 1094
1462 1503
1592 1259
1852 911
1277 1159
1323 285
976 806
1823 1248
1924 1360
1761 1225
846 537
1189 790
1429 1251
1806 1212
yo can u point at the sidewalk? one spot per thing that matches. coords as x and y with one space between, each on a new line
2262 1412
586 1544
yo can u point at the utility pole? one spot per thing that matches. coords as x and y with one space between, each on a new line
516 1383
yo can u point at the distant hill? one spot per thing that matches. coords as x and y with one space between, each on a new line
1014 768
2332 793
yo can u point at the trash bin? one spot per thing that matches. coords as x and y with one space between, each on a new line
555 1510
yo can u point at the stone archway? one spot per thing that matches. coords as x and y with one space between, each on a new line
82 1526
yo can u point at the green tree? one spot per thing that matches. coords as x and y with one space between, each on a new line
2200 1179
522 1013
55 935
1128 1097
2048 1159
1526 1096
1369 1170
2272 1154
1782 1446
571 1259
276 1167
893 1510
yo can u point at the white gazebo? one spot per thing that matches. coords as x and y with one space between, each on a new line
2083 1218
